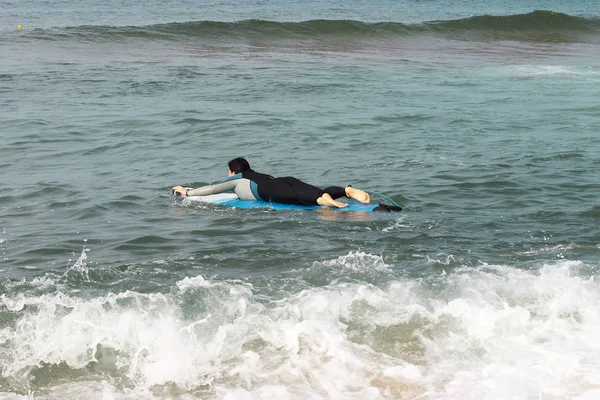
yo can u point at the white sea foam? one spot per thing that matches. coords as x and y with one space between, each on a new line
533 70
357 261
355 266
546 249
80 265
196 281
494 332
396 224
446 261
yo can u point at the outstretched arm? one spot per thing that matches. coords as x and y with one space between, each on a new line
222 187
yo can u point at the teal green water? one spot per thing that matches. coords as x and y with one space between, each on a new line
484 128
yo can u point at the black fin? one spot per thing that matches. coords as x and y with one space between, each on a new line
387 208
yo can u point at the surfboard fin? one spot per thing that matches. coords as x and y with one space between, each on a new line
387 208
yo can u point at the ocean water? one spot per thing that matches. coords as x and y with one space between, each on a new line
481 118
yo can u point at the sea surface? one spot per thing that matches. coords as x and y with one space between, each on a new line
482 118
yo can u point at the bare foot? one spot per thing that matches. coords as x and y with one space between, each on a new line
327 200
358 195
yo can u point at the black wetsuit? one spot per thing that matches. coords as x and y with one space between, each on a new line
289 190
252 185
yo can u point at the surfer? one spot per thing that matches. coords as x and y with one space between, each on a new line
248 184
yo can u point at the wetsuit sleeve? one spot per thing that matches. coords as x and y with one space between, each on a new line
227 186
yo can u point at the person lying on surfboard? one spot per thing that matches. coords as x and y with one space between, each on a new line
248 184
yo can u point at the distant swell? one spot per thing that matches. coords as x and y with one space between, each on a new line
541 21
517 27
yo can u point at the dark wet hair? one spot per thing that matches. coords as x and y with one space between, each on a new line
238 165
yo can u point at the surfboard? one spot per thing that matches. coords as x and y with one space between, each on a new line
231 200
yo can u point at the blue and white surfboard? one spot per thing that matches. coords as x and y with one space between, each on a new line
231 200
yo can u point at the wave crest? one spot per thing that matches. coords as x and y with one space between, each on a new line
497 27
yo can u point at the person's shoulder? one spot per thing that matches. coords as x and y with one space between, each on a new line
231 178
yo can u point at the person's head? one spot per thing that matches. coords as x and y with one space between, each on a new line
238 165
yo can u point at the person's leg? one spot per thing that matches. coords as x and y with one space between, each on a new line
357 194
326 200
335 191
308 194
290 190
